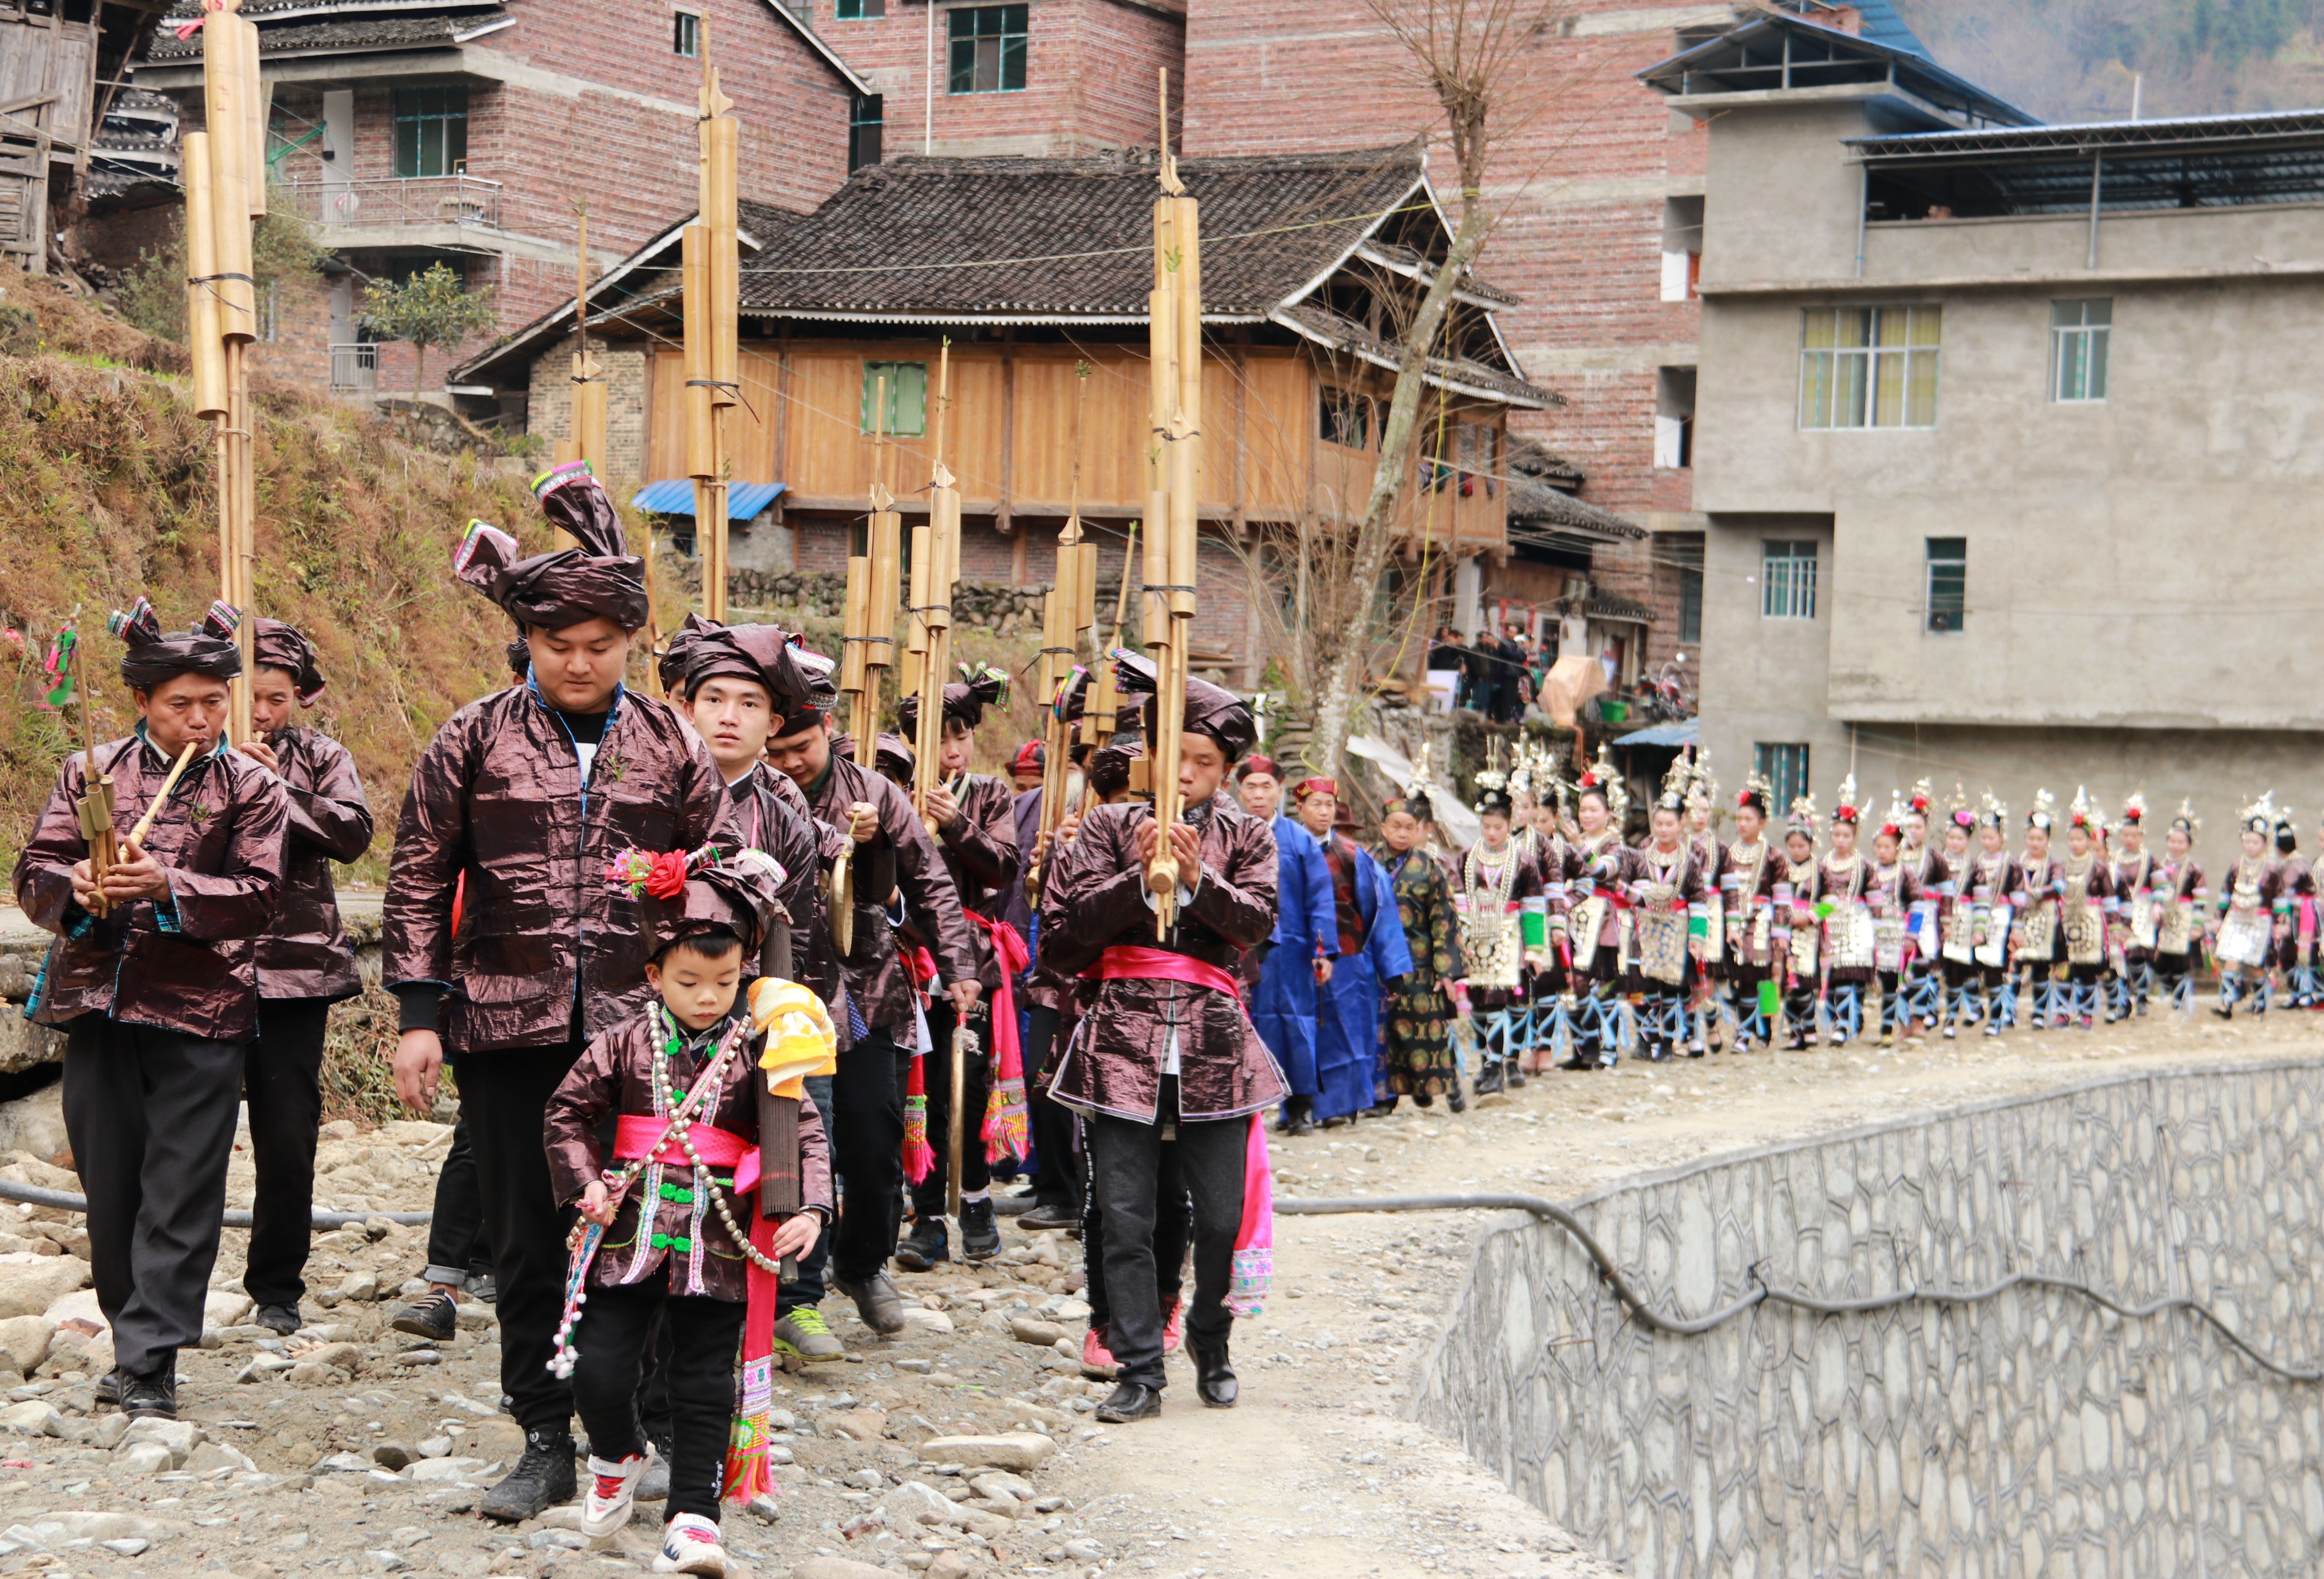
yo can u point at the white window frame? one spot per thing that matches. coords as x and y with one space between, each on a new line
2080 352
1868 384
1789 595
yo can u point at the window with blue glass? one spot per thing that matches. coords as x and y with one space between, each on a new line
988 48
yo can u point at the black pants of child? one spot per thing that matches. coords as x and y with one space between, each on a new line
615 1327
1174 1230
281 1074
975 1175
866 1126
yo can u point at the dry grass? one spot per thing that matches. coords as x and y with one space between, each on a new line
106 491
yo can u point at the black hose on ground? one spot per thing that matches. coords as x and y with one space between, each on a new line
235 1217
1654 1320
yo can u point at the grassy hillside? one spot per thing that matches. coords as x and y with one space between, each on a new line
106 486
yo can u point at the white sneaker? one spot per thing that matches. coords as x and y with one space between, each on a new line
689 1544
612 1486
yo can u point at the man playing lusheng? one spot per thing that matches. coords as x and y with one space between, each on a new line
1165 1050
158 994
893 856
529 795
306 964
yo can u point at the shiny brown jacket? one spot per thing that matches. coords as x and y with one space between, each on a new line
192 970
304 952
1094 898
900 857
980 856
614 1075
497 795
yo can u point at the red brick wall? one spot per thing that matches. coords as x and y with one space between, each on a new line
1089 79
1584 255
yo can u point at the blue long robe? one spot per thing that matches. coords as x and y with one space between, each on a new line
1284 1006
1348 1025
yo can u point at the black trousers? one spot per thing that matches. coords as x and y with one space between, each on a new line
458 1254
1174 1230
1125 1175
150 1115
867 1150
928 1195
1056 1171
504 1098
280 1079
697 1359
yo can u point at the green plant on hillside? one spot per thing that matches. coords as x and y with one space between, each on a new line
432 307
285 251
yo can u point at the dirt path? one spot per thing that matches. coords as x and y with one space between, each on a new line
1317 1474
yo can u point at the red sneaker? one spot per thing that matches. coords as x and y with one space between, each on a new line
1174 1325
1096 1360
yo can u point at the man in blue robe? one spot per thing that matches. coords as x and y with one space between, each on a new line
1299 955
1372 952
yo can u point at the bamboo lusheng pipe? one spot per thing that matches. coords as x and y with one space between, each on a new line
177 771
1174 390
96 808
932 588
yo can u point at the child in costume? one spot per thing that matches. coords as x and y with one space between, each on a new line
723 1177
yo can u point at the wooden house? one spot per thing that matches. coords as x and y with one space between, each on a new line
1035 274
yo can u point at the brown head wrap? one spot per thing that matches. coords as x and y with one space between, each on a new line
149 657
703 650
1211 711
1108 766
894 757
600 579
964 700
286 648
819 700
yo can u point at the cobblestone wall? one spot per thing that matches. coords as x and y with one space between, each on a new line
2030 1435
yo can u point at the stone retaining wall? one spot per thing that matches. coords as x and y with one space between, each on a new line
22 948
2030 1435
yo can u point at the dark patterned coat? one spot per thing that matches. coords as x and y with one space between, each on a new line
498 796
304 952
191 966
614 1075
1095 898
1417 1034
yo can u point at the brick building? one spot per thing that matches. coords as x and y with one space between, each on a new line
1036 275
468 134
1601 199
1063 78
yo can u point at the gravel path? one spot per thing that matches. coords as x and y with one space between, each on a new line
352 1450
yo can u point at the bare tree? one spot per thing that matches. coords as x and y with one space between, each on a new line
1489 68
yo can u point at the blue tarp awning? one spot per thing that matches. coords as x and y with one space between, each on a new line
676 497
1684 733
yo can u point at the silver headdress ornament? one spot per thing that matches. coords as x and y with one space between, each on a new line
1844 806
1991 813
2133 810
1801 818
2187 822
2042 816
2259 816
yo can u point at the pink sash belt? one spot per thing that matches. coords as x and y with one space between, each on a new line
1123 961
719 1148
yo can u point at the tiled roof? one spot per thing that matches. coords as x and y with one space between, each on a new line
1539 500
390 30
1073 238
1321 324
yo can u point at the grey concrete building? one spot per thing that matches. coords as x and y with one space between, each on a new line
2009 436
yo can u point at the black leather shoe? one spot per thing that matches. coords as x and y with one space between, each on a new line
1455 1101
433 1314
154 1396
1130 1401
107 1388
876 1301
924 1246
1489 1080
1042 1218
1516 1078
653 1485
1214 1379
1299 1116
279 1318
979 1234
541 1479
